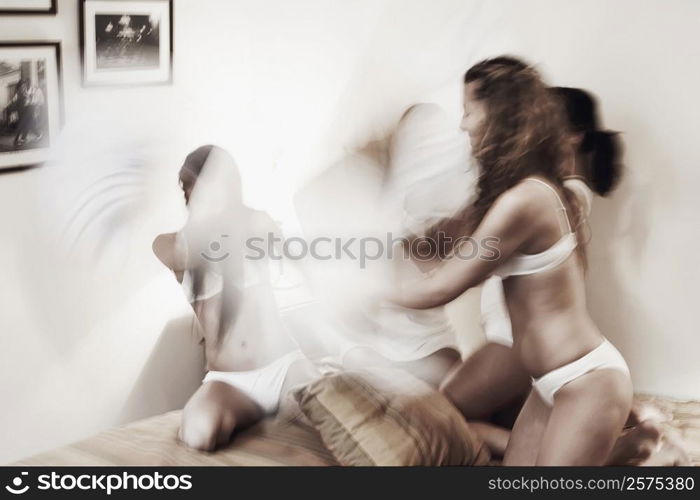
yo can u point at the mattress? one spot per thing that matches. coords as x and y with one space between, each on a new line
285 440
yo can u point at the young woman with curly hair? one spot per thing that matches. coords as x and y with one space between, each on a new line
582 391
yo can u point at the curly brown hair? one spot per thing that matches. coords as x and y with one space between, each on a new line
523 134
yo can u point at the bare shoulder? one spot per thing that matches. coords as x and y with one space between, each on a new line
531 198
519 202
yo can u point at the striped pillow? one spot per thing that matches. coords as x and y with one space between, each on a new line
387 417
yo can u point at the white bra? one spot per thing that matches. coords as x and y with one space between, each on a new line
520 264
213 280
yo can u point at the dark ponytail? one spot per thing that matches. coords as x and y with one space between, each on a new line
603 147
605 152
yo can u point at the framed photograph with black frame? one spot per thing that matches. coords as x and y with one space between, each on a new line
28 7
31 102
126 42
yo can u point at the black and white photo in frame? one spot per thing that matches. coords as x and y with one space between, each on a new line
126 42
27 7
31 105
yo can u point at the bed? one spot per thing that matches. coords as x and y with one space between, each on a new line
280 441
284 440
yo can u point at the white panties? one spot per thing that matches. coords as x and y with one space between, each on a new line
605 356
262 385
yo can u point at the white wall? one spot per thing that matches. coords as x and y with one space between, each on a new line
638 57
90 339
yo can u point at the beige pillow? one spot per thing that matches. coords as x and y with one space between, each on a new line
388 417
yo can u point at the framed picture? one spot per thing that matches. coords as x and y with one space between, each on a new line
31 101
27 7
126 42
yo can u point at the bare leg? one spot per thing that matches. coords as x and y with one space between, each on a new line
486 382
636 444
490 380
528 431
213 413
494 437
587 418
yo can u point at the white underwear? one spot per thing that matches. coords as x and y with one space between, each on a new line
605 356
262 385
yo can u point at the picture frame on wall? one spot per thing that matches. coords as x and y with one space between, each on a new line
31 102
126 42
28 7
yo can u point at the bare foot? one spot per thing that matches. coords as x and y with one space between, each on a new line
637 444
670 453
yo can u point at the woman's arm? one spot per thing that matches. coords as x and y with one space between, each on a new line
420 253
429 250
170 251
504 229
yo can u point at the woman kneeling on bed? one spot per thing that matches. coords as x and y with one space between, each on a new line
582 391
251 360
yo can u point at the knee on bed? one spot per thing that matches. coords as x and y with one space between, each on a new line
202 427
